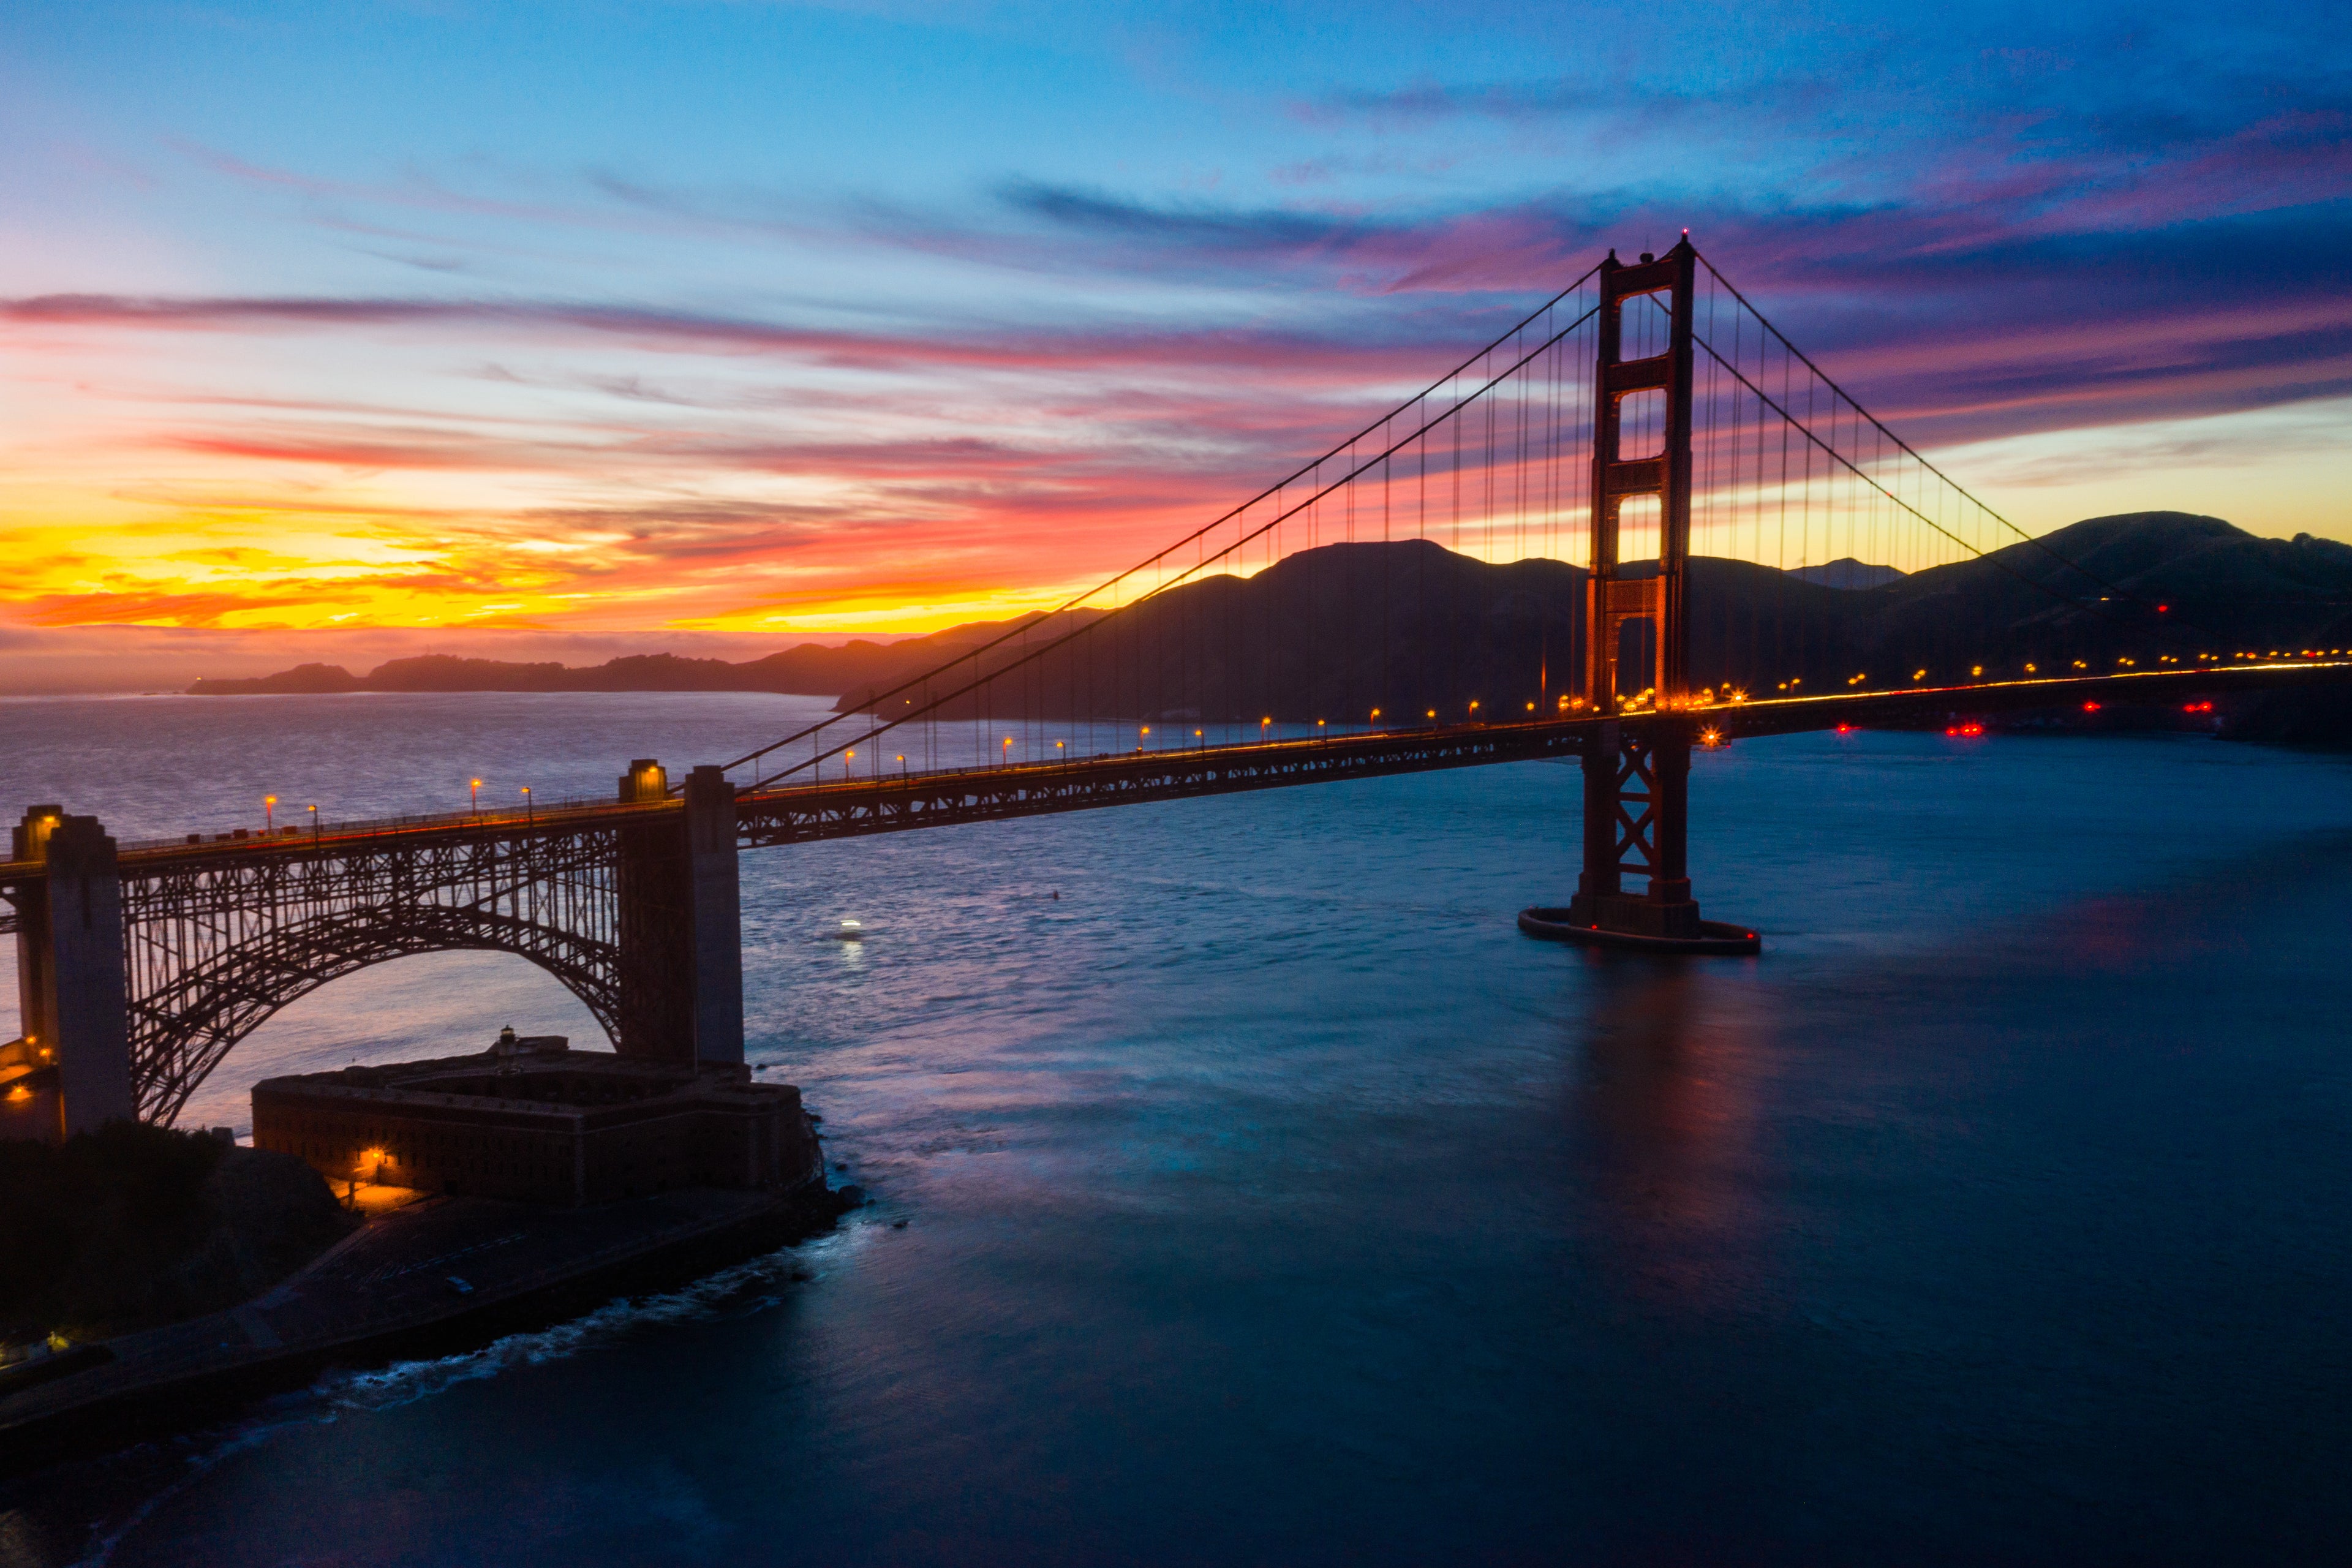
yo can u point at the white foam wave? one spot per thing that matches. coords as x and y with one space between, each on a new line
745 1287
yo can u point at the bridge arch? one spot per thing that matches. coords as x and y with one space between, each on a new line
212 953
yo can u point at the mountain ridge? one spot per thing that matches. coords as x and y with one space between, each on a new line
1410 626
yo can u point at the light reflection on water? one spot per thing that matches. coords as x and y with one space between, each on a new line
1270 1198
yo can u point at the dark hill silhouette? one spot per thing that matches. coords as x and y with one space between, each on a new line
811 669
1845 572
1410 626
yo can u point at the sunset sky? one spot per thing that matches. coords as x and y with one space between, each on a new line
333 329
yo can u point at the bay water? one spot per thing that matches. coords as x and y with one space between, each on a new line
1268 1197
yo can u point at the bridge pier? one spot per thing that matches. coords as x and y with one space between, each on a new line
71 980
1637 801
1637 763
680 922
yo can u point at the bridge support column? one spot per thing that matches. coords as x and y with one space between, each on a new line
680 922
1636 815
715 887
1637 767
72 985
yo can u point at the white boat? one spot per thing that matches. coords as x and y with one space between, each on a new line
851 930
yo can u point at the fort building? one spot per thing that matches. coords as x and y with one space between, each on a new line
532 1120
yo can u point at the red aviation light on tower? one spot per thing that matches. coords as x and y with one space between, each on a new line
2090 707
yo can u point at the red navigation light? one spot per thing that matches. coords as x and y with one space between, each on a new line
1951 732
1844 728
2090 707
2161 608
2197 707
1971 729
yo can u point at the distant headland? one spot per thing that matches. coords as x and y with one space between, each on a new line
1448 624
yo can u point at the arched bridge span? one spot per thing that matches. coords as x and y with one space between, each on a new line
213 950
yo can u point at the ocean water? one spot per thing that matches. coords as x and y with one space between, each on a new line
1268 1198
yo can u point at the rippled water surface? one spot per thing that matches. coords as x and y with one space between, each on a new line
1270 1198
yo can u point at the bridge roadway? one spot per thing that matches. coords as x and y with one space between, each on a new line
940 798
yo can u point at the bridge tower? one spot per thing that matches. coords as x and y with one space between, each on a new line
680 922
73 1062
1637 634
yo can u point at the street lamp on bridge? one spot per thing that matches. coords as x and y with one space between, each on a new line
269 814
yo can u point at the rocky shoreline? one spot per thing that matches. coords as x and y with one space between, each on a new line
439 1277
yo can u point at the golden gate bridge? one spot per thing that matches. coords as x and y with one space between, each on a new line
1673 484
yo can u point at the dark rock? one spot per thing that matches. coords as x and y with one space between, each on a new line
134 1225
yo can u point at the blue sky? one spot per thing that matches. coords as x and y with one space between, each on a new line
342 315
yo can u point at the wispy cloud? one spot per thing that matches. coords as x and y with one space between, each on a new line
618 385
